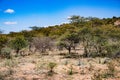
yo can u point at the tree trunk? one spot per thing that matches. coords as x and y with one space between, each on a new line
51 70
85 51
69 50
17 52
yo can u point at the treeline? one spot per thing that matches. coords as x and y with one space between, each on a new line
99 37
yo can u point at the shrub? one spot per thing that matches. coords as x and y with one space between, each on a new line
6 52
18 43
70 72
51 65
6 73
10 63
111 69
97 77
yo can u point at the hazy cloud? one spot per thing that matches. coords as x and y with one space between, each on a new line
10 11
10 23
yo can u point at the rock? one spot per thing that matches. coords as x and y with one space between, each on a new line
105 60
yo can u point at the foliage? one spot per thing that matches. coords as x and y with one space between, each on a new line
68 41
3 41
18 43
99 37
51 66
70 72
85 34
10 63
6 52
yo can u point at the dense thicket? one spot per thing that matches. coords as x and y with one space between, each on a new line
99 37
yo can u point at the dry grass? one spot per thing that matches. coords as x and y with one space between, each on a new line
35 67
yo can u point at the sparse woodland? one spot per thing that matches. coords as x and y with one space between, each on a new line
87 48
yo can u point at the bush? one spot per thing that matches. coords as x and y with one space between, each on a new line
10 63
111 69
70 72
18 43
97 77
51 65
6 52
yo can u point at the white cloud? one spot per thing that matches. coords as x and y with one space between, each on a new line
10 11
10 23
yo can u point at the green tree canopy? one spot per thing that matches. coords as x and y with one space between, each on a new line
18 43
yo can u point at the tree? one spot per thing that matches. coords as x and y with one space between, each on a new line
29 37
42 44
95 22
100 44
77 21
74 18
35 28
68 41
18 43
99 40
85 35
113 48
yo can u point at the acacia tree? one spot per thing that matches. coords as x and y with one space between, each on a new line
100 40
68 41
77 21
113 48
18 43
99 45
85 34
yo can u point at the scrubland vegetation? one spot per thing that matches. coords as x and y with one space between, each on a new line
87 48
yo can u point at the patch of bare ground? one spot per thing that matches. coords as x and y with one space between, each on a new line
35 67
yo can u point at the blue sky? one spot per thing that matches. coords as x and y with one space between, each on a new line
17 15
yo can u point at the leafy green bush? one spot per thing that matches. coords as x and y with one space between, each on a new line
18 43
51 65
